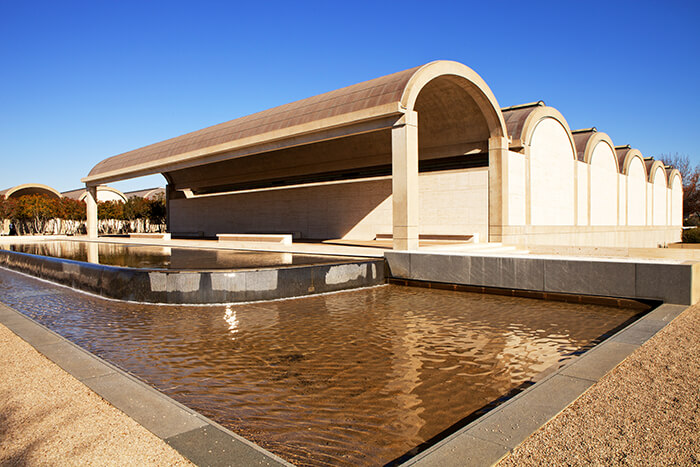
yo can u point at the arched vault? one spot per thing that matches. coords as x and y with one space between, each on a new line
30 189
442 114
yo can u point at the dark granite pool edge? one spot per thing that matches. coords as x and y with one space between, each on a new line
491 437
199 287
194 436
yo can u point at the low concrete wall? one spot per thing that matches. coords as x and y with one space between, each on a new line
198 287
670 282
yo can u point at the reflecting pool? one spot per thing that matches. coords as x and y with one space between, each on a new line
158 257
350 378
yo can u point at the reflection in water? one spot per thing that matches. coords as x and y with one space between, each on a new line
232 320
156 257
93 253
349 378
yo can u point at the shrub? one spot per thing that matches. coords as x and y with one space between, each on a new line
691 235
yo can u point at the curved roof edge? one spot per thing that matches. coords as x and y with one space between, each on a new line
105 188
521 121
35 186
625 155
80 193
367 106
484 98
652 165
673 172
587 139
148 193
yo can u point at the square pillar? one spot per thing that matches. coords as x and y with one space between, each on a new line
404 181
91 201
498 187
168 194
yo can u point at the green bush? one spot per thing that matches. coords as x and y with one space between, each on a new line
691 235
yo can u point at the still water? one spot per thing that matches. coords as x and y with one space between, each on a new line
157 257
351 378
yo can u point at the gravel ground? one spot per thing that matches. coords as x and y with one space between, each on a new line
646 411
47 417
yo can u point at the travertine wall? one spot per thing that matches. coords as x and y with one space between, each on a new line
552 197
551 175
636 193
582 176
659 197
676 196
603 186
587 204
517 180
451 202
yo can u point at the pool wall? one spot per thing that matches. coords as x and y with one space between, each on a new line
669 282
198 287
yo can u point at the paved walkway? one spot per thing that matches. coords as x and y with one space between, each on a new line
47 417
644 412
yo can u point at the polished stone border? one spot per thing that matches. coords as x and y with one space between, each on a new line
194 436
669 282
489 438
199 287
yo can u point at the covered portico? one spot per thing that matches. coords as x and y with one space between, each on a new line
432 119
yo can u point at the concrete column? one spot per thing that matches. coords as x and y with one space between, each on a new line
91 200
168 194
498 187
404 181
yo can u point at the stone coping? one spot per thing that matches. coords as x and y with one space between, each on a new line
488 439
666 281
194 436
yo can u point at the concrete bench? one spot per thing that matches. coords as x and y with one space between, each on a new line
282 239
472 238
159 236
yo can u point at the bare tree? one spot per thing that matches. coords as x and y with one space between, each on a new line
690 175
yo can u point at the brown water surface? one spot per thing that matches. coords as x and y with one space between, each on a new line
351 378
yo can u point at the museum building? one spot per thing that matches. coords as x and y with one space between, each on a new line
422 153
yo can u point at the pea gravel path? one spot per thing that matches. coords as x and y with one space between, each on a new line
644 412
47 417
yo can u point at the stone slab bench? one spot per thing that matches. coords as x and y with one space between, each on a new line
282 239
159 236
440 237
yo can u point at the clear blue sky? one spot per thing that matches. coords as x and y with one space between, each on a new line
81 81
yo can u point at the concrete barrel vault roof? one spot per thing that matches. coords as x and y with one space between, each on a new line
625 155
673 172
81 193
381 100
652 165
521 121
148 193
30 189
586 141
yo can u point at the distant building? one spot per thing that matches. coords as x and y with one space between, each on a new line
29 189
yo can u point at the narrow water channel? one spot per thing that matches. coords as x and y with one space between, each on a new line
350 378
